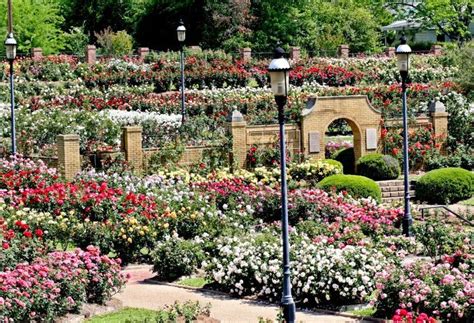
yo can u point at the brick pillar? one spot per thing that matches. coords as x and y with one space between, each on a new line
439 120
36 53
69 158
143 53
343 51
90 54
295 53
237 128
246 54
132 144
436 50
390 51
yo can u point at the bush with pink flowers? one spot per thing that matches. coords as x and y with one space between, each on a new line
444 290
58 283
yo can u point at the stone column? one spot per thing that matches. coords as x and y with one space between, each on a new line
246 54
295 53
69 158
237 128
439 120
36 53
436 50
132 144
343 51
390 51
143 53
90 54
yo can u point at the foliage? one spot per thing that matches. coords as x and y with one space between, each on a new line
378 167
449 17
175 257
438 239
114 43
249 265
354 185
36 24
313 172
178 312
447 185
76 40
461 157
347 158
166 156
68 278
441 289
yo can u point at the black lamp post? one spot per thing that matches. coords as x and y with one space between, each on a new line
10 49
181 33
403 56
279 69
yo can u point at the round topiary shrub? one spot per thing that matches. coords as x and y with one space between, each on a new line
378 167
446 185
354 185
347 158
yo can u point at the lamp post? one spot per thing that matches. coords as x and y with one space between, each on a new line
279 76
10 49
403 52
181 33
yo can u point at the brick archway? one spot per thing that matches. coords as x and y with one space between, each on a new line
320 112
356 132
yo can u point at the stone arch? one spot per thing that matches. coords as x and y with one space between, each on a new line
320 112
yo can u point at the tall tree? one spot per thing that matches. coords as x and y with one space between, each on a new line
36 23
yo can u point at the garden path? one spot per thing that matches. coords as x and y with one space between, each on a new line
141 294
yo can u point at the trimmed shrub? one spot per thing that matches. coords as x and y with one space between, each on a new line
354 185
176 257
347 158
446 185
378 167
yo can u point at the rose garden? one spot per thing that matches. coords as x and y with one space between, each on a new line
201 198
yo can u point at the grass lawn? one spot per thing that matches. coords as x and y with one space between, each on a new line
126 315
193 282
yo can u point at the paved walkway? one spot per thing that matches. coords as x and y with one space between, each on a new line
224 308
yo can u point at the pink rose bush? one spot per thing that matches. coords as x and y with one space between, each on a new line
444 290
58 283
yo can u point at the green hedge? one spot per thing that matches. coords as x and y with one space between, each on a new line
347 158
446 185
378 167
354 185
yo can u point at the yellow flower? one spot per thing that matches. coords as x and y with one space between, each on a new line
142 233
124 236
129 240
166 225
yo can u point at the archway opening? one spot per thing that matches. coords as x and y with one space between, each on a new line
342 140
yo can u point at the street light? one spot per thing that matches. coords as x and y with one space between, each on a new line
181 33
403 56
10 50
279 69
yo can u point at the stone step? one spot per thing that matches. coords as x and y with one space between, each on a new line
397 194
394 182
395 188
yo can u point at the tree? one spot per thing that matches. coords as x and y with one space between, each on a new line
228 24
36 23
450 17
96 15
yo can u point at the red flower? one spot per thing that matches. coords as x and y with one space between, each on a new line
5 246
28 234
39 233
